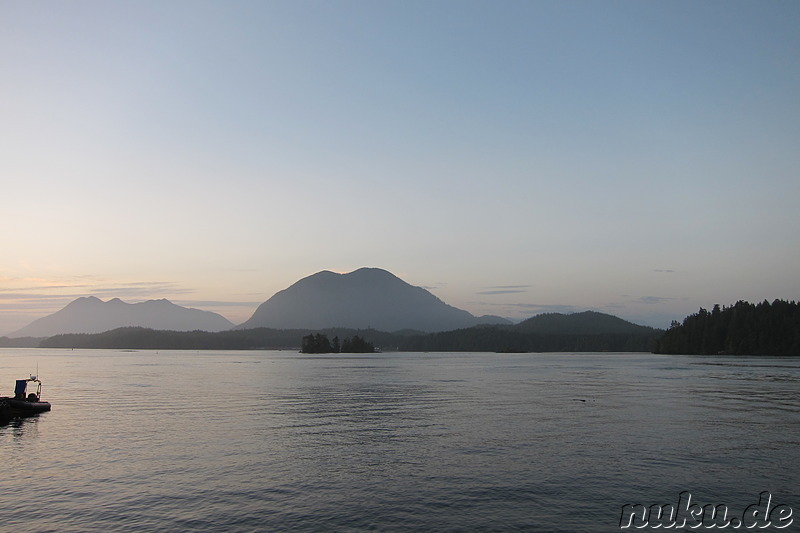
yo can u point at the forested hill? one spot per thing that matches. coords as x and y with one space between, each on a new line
742 329
585 323
587 334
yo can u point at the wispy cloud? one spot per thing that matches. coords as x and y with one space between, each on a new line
141 290
48 293
41 296
216 303
33 289
32 299
664 270
536 308
22 295
505 289
652 300
437 285
549 308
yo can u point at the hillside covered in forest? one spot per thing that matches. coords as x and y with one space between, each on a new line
579 332
742 329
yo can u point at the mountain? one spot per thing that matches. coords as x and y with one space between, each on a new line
365 298
585 323
92 315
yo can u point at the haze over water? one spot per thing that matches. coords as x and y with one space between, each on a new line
271 441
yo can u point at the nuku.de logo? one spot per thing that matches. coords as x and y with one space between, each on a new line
685 514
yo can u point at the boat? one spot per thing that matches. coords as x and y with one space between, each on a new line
5 411
27 403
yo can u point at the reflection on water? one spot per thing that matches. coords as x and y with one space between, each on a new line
23 427
263 441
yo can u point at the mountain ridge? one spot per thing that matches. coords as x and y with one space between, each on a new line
90 314
366 298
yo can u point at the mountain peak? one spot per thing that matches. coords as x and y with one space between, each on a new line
86 300
161 301
365 298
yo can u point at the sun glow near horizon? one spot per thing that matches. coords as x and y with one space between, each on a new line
218 153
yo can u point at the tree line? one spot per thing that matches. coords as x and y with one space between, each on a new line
741 329
319 343
474 339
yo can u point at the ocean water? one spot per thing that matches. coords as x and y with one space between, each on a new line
280 441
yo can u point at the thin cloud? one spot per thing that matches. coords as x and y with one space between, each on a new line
38 304
215 303
503 291
141 289
50 295
44 287
24 296
652 300
536 308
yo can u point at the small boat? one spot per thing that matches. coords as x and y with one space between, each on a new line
24 403
5 411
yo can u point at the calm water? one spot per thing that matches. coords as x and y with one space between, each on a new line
278 441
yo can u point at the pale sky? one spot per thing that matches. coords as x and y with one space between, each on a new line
515 157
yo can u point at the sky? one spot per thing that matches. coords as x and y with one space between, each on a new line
518 157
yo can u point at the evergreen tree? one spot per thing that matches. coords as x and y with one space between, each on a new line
743 329
316 343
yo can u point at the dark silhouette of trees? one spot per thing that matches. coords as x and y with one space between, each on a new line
580 332
742 329
319 343
357 345
505 339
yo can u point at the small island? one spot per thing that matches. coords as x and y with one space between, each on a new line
319 343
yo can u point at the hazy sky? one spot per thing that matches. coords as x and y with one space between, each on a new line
636 158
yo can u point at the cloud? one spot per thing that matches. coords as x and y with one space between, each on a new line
19 295
436 285
34 296
141 290
215 303
664 270
505 289
652 300
537 308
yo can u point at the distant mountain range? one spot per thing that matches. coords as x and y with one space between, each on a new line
366 298
92 315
